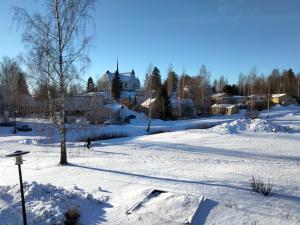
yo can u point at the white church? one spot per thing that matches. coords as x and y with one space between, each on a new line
130 82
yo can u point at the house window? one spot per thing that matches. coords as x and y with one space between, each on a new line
125 85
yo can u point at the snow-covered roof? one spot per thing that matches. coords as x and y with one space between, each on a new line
227 106
278 95
147 103
91 94
256 96
238 96
123 76
217 95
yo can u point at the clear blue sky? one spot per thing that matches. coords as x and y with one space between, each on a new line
227 36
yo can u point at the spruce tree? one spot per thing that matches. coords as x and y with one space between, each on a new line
116 86
155 79
162 105
172 82
90 85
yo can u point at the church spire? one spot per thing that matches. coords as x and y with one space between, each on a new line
118 65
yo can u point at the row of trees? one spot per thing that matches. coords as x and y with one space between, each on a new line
199 88
13 85
180 88
277 81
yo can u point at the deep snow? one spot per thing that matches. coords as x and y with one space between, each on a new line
217 163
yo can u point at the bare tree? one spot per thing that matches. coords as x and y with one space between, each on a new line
149 93
13 84
58 41
221 83
202 90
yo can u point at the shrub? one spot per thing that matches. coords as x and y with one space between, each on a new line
260 187
72 216
104 136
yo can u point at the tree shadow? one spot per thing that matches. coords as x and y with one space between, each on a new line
184 181
221 152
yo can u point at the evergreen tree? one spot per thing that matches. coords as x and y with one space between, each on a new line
162 105
22 88
90 85
231 89
215 86
116 86
154 79
172 82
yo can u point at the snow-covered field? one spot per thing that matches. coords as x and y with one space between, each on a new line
186 164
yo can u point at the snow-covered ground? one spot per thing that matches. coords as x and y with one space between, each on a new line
105 182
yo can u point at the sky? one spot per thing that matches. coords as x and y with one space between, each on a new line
229 37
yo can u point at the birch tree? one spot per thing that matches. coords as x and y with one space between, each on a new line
57 40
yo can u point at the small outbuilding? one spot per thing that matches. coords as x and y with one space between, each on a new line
224 109
282 99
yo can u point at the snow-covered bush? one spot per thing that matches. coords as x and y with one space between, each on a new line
260 187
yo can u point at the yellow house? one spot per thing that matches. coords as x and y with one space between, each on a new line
224 109
282 99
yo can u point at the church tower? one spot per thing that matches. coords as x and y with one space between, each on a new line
117 65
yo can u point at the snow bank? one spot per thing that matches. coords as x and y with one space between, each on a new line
252 125
46 204
166 208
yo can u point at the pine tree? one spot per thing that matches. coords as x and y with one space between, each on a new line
90 85
116 86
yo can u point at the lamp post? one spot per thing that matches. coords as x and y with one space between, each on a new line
19 161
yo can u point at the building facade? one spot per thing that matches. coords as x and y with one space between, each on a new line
130 81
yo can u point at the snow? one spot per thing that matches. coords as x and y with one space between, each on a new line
252 125
217 95
169 207
277 95
217 163
227 106
148 102
47 204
